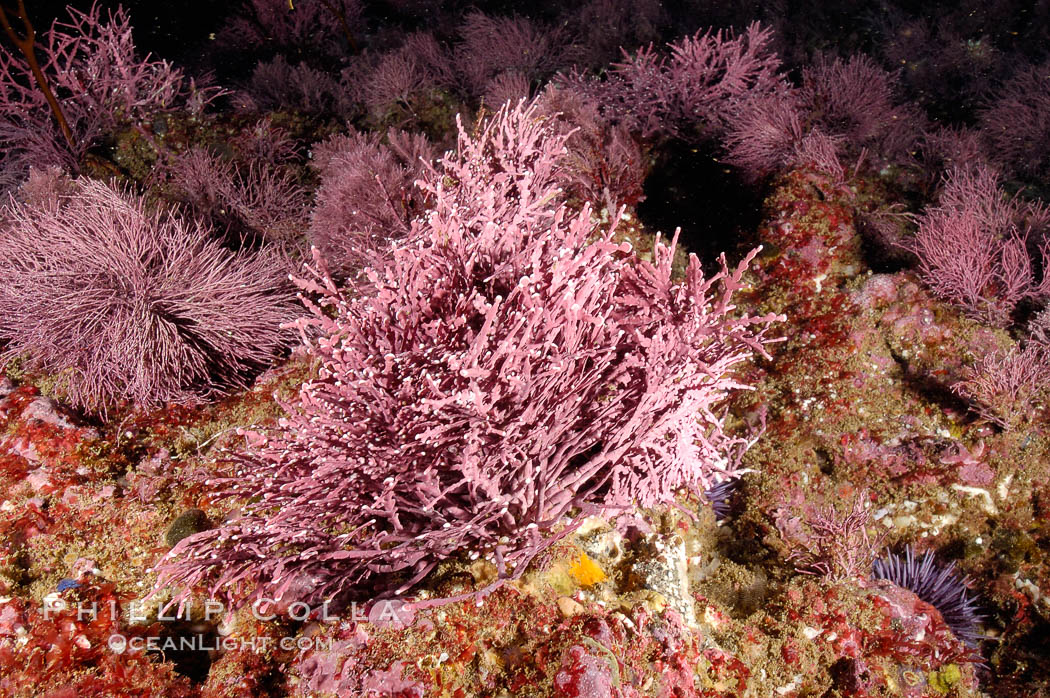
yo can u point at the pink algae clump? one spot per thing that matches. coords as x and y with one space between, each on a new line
582 675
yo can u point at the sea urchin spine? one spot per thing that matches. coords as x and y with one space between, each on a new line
936 585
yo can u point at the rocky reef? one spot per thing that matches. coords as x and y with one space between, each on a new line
517 437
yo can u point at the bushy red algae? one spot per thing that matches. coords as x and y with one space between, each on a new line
66 647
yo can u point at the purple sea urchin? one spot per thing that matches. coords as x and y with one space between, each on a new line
719 496
936 585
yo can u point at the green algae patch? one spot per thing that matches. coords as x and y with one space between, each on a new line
945 679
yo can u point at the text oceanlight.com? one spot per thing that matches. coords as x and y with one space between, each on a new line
199 643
